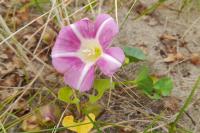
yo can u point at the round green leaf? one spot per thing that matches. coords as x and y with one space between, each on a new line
164 86
66 94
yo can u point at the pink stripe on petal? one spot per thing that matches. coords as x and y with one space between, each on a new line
86 28
66 41
106 28
77 78
88 80
111 61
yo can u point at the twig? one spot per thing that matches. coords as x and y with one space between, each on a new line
61 117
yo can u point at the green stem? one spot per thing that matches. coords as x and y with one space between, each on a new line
187 102
94 124
77 104
76 125
2 127
129 11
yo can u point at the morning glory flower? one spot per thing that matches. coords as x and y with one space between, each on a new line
83 46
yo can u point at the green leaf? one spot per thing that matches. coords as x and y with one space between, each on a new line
164 86
100 85
146 85
143 73
134 54
96 109
144 81
66 94
153 87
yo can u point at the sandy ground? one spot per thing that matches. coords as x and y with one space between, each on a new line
146 32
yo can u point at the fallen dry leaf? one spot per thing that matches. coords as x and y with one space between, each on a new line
20 104
30 124
4 56
168 37
23 13
140 8
170 58
195 59
7 94
25 1
12 79
79 127
172 104
49 35
174 57
179 56
143 47
169 42
49 113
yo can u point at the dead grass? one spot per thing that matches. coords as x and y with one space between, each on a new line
37 83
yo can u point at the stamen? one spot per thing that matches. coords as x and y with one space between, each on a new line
90 51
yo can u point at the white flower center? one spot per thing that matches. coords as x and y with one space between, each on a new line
90 50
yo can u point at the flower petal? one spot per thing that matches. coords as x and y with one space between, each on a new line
111 60
77 74
85 28
88 80
63 64
80 76
67 41
106 28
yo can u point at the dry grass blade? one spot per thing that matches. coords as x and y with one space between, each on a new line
190 28
91 7
17 44
58 13
47 21
9 109
128 13
28 74
61 117
116 12
34 20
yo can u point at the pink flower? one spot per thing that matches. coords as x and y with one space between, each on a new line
82 46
